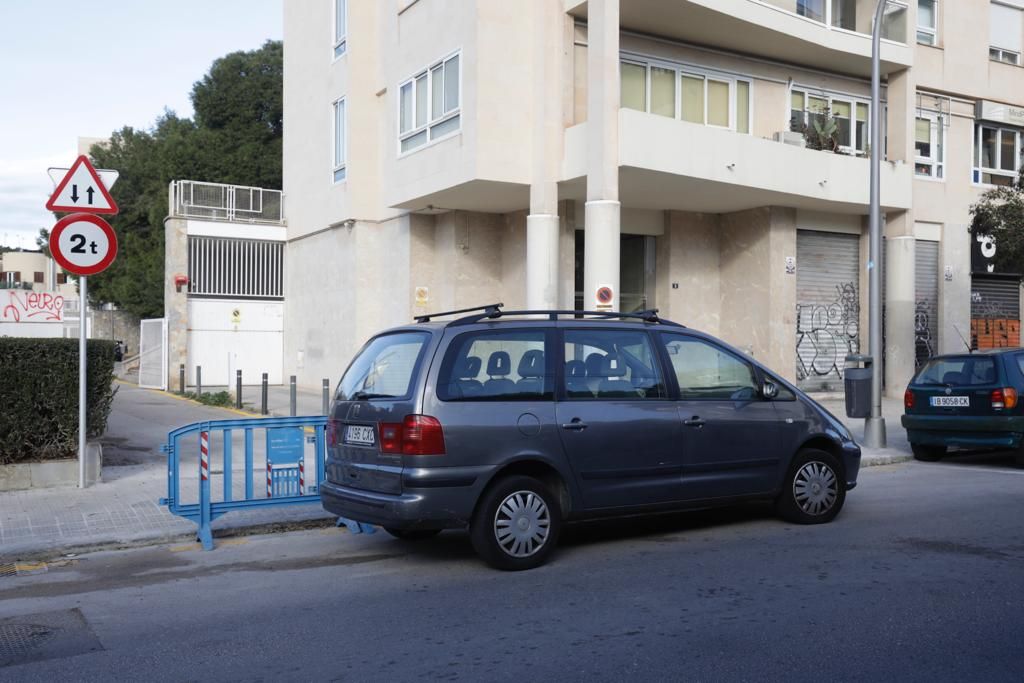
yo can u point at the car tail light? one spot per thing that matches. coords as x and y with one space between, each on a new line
415 435
908 399
1004 398
332 432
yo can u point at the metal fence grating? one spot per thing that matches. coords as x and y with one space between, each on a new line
221 266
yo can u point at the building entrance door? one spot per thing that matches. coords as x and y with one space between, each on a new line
636 273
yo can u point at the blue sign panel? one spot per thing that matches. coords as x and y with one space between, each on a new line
285 445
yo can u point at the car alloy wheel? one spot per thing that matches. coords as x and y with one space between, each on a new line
522 524
815 488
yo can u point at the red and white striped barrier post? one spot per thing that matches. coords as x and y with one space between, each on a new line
204 455
205 504
302 476
270 476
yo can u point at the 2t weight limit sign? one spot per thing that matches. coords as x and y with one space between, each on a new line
83 244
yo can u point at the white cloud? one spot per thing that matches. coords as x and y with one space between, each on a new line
24 189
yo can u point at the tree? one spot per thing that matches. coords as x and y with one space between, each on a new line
999 213
234 138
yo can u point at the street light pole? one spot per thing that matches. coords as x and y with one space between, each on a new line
874 426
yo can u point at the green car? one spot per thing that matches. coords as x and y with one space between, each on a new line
968 400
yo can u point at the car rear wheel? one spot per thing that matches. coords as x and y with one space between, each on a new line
927 453
814 490
516 524
412 534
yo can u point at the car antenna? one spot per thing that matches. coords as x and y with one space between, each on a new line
963 339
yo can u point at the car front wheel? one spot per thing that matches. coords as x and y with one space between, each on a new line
814 490
516 524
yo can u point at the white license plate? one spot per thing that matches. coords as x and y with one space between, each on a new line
361 435
951 401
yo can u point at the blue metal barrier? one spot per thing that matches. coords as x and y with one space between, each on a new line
195 451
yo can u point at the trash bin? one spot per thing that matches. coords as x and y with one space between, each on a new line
857 385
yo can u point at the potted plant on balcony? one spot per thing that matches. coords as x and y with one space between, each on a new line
822 133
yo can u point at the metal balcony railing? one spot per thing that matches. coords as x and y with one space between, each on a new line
230 203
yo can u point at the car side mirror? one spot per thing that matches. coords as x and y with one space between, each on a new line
769 389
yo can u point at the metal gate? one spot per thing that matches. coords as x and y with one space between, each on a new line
153 353
926 303
995 312
828 306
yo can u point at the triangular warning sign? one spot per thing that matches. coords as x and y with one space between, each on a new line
81 190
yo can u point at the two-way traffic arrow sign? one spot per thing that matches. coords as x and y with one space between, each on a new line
81 190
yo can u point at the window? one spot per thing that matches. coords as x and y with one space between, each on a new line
496 365
611 364
429 104
340 27
975 370
338 162
850 115
812 9
704 371
384 368
997 154
62 278
929 147
927 22
37 276
1006 34
711 99
894 21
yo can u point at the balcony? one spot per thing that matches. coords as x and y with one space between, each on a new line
674 165
226 203
832 35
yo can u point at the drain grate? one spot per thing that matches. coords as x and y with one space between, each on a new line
19 640
22 569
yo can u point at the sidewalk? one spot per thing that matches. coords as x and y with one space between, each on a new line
123 508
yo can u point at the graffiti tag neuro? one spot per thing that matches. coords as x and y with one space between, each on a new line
826 333
32 307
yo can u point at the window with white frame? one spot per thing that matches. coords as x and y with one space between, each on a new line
927 22
998 151
679 92
340 172
340 26
429 104
929 145
1006 34
849 113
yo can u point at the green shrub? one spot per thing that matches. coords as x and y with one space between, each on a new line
219 398
39 396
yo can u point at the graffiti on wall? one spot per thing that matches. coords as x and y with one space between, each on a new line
924 344
31 307
993 326
826 333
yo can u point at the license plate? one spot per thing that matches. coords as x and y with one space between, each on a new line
950 401
359 435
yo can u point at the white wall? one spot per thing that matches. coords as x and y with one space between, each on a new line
221 342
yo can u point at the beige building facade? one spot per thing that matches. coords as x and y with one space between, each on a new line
440 154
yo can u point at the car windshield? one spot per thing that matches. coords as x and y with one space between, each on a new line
961 370
384 368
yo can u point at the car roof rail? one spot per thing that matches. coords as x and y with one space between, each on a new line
648 316
488 309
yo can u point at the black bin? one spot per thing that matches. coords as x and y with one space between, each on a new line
857 385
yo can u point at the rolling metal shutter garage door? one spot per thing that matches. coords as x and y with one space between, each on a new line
995 312
828 307
926 305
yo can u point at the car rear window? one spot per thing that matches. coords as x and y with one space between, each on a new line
384 368
963 371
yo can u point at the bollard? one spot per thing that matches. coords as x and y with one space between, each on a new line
238 389
291 397
199 380
263 399
181 379
327 396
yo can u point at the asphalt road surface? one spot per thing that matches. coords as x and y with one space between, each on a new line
920 578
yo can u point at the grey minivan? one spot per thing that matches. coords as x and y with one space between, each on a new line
511 423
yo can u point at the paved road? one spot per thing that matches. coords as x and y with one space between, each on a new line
919 579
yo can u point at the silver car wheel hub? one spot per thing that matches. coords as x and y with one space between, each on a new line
815 488
522 524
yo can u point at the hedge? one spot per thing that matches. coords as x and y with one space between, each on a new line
39 396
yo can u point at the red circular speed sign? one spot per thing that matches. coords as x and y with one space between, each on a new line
83 244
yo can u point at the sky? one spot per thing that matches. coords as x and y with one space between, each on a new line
87 68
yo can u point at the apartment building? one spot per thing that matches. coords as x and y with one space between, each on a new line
34 271
704 157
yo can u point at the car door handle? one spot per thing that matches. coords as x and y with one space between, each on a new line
577 424
694 421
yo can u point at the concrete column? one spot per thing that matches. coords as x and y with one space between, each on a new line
175 302
602 212
954 293
542 224
900 297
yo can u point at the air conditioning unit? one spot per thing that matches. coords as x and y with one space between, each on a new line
788 137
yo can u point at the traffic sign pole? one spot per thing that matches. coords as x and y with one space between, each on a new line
83 297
